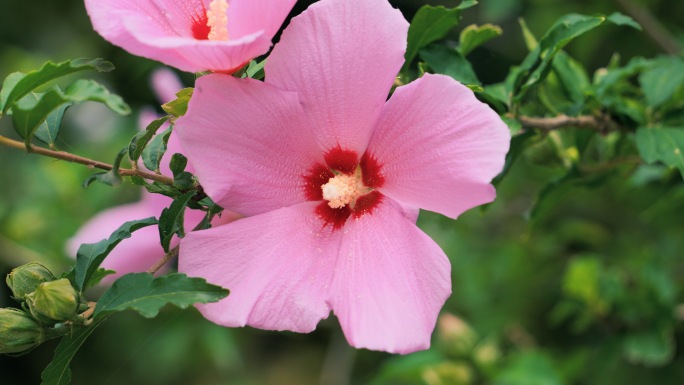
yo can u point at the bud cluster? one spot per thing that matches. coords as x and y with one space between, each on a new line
45 300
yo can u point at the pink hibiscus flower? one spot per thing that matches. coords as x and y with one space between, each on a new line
191 35
143 249
329 174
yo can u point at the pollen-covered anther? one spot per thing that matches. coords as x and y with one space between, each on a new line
343 190
217 20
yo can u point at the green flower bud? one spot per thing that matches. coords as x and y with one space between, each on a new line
454 336
53 301
18 331
26 278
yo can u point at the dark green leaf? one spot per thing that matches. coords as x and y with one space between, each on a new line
90 255
431 24
154 151
662 80
147 295
111 177
184 181
161 188
662 144
142 138
58 372
573 77
171 219
213 210
619 19
448 61
18 84
473 36
178 163
179 106
518 144
604 82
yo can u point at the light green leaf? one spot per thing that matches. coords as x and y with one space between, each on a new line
448 61
29 113
619 19
147 295
537 64
17 85
179 106
662 144
474 36
431 24
650 347
662 80
90 255
529 368
154 151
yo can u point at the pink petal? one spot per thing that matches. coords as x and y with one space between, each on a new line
165 84
438 146
390 282
247 16
277 267
163 30
135 254
341 57
249 142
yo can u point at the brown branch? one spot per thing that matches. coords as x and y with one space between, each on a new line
602 124
173 253
652 27
62 155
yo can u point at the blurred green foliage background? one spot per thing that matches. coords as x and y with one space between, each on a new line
588 291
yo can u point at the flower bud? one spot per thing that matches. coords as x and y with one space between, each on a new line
53 301
26 278
18 331
454 336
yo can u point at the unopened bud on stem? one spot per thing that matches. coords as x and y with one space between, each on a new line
26 278
53 301
18 331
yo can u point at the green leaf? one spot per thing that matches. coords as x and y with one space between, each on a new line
518 144
178 163
662 80
58 372
619 19
650 348
609 78
573 77
147 295
98 276
255 70
431 24
473 36
142 138
90 255
662 144
529 368
212 211
154 151
29 113
448 61
537 63
89 90
582 282
17 85
111 177
48 131
179 106
531 41
171 219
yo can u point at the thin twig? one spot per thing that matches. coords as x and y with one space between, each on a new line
652 27
62 155
601 124
173 253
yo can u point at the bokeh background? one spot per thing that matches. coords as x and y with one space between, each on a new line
589 291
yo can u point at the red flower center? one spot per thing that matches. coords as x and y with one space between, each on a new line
345 185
